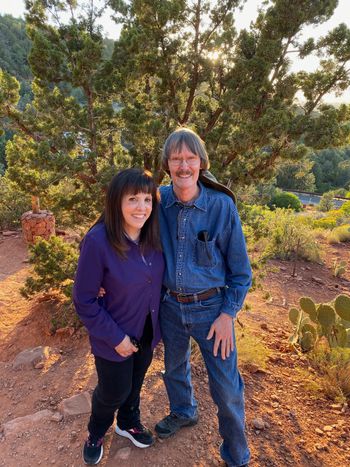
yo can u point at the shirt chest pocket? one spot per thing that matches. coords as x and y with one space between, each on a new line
205 253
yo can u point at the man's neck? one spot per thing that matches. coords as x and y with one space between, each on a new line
187 195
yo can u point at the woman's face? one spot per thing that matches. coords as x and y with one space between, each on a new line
136 210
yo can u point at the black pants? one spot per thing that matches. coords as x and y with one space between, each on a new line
119 386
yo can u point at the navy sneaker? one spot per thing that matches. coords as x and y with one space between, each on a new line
92 451
139 435
172 423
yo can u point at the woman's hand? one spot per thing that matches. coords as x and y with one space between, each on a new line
125 348
101 292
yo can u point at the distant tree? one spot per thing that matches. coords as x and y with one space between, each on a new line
296 175
331 169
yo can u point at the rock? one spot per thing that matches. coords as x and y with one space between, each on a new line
57 417
327 428
68 331
319 431
258 423
264 326
29 358
21 424
317 279
123 453
76 405
9 233
275 405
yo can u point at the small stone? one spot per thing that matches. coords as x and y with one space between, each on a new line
39 365
8 233
327 428
317 279
258 423
275 405
57 417
319 432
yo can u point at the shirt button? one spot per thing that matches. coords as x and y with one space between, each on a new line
180 274
182 238
150 264
180 255
149 281
152 311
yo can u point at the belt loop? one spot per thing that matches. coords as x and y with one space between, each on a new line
195 296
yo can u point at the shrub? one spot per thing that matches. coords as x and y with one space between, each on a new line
253 216
12 204
289 237
286 200
339 234
54 264
345 208
326 203
333 368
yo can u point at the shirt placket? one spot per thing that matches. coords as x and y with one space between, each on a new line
182 234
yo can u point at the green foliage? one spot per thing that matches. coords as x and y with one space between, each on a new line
286 200
175 63
289 237
331 168
12 204
329 320
326 202
296 175
54 263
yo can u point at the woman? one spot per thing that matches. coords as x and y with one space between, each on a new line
121 253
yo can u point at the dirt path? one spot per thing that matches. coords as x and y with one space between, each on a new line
294 418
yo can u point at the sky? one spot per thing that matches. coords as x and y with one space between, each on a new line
243 19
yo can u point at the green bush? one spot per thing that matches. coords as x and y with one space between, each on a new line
286 200
12 204
327 202
289 237
253 216
54 262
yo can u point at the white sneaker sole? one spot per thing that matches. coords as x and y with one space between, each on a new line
98 460
126 434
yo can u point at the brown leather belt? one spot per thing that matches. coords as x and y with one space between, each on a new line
195 297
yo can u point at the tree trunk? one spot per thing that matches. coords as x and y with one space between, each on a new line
35 204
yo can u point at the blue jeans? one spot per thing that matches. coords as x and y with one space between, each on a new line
179 322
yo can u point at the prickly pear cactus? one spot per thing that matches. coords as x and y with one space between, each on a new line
313 321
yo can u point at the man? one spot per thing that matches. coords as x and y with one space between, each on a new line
207 277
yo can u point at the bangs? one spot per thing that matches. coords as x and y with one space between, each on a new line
143 183
181 140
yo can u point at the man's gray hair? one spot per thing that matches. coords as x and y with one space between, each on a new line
184 137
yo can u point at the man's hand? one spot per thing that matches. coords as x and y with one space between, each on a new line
222 327
125 348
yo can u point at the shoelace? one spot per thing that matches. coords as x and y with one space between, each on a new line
95 444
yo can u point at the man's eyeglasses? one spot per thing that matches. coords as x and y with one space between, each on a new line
176 161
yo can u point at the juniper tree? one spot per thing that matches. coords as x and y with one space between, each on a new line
183 63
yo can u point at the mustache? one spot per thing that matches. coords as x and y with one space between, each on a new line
183 172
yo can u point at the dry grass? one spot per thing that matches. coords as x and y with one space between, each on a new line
339 234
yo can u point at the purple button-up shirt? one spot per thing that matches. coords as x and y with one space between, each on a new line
132 285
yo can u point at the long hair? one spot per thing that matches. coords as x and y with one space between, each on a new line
130 182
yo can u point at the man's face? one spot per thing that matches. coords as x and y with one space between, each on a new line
184 167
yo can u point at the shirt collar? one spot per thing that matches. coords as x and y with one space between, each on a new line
200 202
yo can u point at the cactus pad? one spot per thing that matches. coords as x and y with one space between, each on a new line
307 341
294 315
326 315
342 307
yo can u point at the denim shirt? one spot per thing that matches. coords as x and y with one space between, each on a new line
194 265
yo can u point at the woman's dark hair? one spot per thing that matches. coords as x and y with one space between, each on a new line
130 182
